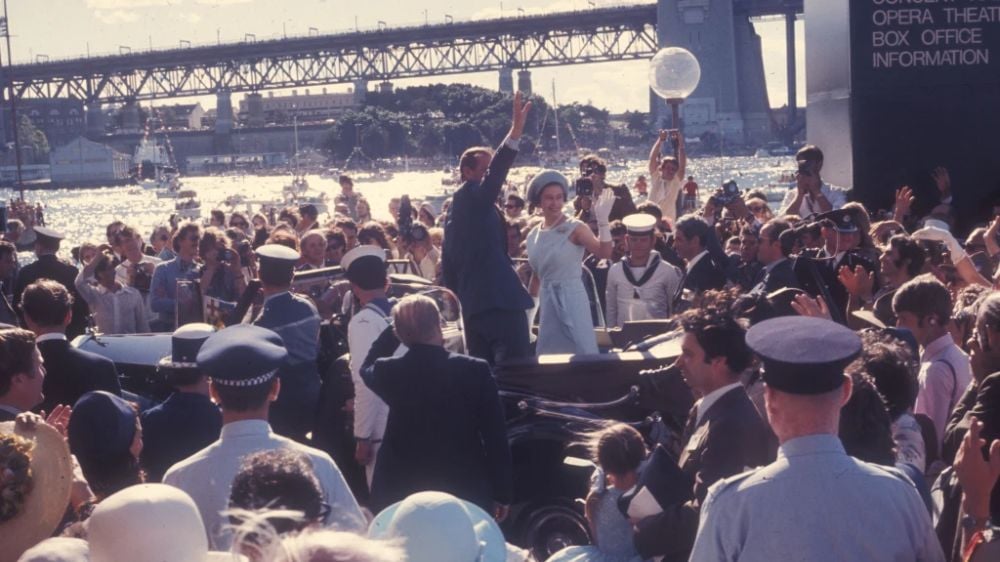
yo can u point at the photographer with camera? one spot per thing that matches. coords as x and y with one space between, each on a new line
117 308
594 168
812 195
221 276
136 269
667 173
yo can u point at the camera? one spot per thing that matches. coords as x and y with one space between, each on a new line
804 169
585 187
730 192
937 252
226 255
140 279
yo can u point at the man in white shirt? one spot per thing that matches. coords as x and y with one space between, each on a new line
243 362
136 270
667 174
117 308
365 267
812 195
923 306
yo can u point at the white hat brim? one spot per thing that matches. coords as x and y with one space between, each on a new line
487 530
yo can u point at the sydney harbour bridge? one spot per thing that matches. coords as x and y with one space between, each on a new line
731 96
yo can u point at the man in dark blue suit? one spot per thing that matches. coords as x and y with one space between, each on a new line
695 241
187 421
446 430
772 251
475 264
49 266
69 372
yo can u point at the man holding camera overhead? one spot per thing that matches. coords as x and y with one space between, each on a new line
667 173
812 195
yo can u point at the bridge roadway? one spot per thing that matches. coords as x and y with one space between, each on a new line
598 35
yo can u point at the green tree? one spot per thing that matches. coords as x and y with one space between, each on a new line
28 135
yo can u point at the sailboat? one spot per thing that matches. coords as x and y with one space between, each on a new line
154 164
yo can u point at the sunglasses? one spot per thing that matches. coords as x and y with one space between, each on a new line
509 206
239 224
755 208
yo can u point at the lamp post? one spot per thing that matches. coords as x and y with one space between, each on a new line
673 74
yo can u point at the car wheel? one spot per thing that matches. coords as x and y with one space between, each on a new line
549 528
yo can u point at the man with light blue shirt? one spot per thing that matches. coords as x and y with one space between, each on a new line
163 287
243 363
814 502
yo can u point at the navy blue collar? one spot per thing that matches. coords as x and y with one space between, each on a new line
383 304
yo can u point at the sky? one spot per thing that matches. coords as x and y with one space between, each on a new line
73 28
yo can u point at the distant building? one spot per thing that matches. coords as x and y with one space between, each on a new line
178 116
208 164
61 119
84 161
256 109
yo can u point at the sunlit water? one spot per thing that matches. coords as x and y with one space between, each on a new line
82 214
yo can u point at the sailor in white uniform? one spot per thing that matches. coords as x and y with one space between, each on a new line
365 267
641 286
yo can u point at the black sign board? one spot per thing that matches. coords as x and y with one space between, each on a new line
919 88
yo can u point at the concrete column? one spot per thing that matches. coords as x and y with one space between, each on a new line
790 63
524 82
130 117
360 91
255 110
223 112
95 120
506 80
385 87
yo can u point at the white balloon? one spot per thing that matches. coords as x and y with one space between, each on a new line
674 73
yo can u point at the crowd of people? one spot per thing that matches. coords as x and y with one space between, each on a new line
843 364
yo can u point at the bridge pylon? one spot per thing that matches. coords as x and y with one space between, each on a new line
731 99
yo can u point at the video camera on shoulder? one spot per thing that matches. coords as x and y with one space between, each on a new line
584 187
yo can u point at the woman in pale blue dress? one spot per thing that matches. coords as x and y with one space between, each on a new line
555 251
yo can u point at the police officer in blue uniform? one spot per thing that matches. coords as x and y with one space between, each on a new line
49 266
187 421
296 320
814 502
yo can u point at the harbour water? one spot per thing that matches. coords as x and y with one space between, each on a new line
82 214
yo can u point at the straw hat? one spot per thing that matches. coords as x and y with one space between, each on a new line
50 473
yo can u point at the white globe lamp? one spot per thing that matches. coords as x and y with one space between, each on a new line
674 74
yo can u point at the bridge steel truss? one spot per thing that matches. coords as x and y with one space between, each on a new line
611 34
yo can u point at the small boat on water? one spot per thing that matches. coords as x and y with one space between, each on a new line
187 205
298 186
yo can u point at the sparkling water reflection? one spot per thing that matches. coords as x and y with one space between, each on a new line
83 214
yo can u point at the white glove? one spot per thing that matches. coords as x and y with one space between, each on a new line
941 235
602 207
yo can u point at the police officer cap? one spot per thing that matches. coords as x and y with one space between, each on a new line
242 355
543 179
185 343
43 232
803 355
365 266
843 220
639 223
275 257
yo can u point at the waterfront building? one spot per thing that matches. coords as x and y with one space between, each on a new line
86 161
